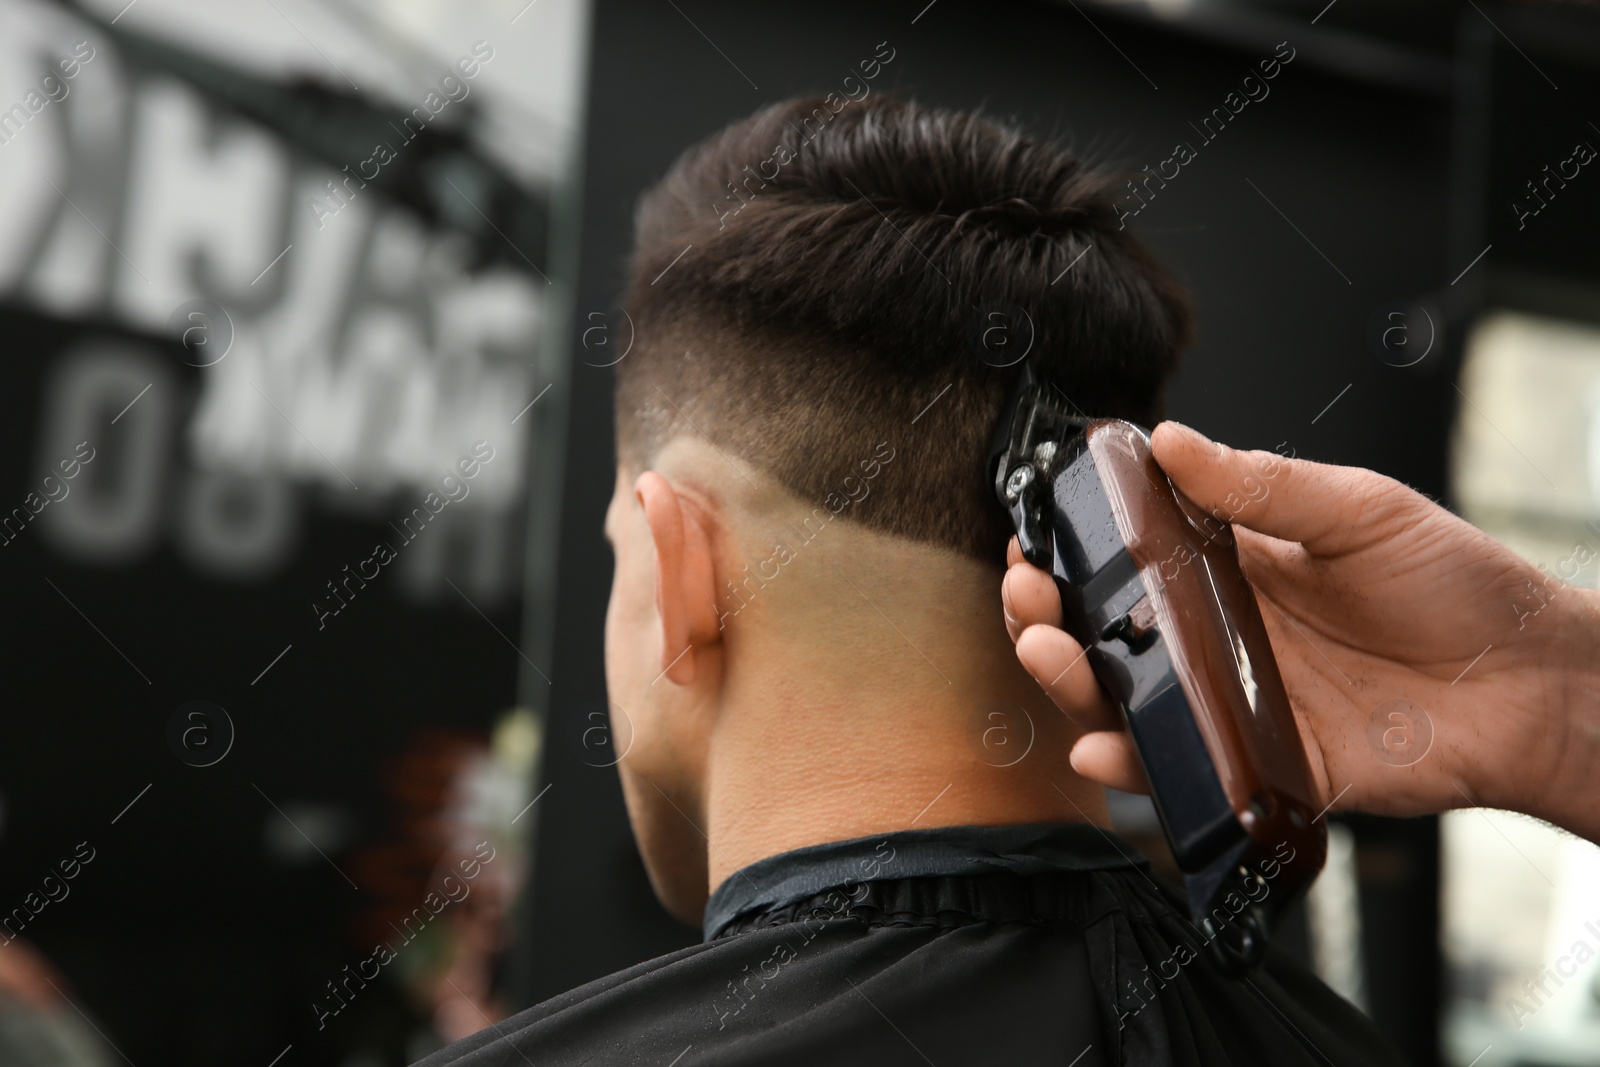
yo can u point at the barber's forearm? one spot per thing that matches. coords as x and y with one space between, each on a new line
1570 719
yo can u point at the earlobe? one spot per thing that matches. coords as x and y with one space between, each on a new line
685 575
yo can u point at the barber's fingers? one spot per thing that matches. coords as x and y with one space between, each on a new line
1327 508
1013 553
1058 664
1108 758
1104 754
1029 597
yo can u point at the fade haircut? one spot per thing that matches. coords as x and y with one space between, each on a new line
815 280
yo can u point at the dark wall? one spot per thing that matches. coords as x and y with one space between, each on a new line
186 936
1312 209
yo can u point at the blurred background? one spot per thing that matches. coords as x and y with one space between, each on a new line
305 440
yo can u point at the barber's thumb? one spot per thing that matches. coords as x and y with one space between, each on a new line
1223 481
1291 499
1205 470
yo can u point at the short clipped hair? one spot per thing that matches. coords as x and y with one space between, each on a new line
825 275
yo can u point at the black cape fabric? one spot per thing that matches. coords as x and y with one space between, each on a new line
1016 945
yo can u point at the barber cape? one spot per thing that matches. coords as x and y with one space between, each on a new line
1016 945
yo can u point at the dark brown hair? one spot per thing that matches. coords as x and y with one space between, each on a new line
817 279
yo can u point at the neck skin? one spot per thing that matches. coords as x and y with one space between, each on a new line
868 685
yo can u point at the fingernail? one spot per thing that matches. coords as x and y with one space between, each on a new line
1194 436
1189 431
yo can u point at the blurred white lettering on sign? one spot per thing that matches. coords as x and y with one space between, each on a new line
360 355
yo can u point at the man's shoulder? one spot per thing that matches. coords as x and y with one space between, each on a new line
1071 967
839 992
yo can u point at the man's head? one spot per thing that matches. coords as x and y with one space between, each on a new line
830 303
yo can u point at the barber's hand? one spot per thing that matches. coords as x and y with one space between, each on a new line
1373 594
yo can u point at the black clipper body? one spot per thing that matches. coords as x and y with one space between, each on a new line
1151 588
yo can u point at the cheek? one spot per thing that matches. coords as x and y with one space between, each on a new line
632 641
622 642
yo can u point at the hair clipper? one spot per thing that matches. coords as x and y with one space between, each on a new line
1152 589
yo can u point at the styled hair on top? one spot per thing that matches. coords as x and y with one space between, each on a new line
814 283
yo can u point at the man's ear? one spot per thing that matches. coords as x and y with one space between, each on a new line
685 574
